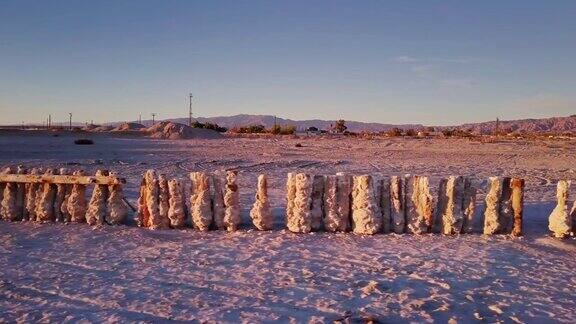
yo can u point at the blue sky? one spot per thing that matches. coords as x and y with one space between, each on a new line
431 62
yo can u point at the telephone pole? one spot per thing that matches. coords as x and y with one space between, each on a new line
190 111
140 119
70 121
153 115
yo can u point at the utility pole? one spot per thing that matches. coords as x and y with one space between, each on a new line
497 126
190 111
70 121
140 119
153 115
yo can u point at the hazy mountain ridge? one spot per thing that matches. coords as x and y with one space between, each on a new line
268 121
541 125
555 125
534 125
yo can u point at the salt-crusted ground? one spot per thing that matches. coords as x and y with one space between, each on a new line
58 273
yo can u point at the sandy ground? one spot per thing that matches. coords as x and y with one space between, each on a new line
60 273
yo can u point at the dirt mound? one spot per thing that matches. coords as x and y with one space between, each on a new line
126 127
170 130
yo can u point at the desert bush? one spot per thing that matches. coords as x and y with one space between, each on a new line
252 129
410 132
340 126
282 130
208 125
448 132
394 132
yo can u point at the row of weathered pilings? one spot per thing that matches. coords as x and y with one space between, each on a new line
363 204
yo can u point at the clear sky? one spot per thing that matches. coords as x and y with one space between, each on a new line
431 62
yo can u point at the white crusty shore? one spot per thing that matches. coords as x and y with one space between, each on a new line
128 274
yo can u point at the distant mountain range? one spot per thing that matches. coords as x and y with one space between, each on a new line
556 125
544 125
268 121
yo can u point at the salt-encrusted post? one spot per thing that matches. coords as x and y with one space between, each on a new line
156 220
450 204
301 220
3 184
492 217
116 207
66 217
45 204
261 213
30 198
419 205
331 219
290 196
499 215
232 202
560 221
397 211
385 205
317 207
8 201
201 201
366 215
97 207
20 194
176 211
61 191
517 186
142 216
163 201
344 200
77 203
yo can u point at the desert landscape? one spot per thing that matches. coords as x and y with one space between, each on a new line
60 272
292 161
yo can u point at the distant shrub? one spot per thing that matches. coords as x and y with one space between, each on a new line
288 130
448 132
252 129
340 126
394 132
466 133
410 132
282 130
208 125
